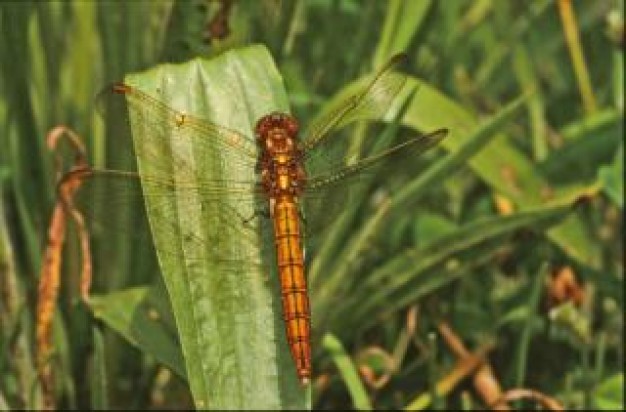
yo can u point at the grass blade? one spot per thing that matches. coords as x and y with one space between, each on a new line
402 20
348 372
411 275
99 384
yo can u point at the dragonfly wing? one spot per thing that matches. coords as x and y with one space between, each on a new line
163 136
186 177
120 205
373 99
411 148
329 193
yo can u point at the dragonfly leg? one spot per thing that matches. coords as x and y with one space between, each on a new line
259 212
302 217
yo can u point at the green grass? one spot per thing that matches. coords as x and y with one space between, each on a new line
430 237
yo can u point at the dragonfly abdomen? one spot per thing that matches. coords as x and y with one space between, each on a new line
295 301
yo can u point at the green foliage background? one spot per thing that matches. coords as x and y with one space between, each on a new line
430 238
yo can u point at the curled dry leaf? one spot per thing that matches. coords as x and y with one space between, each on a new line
489 388
375 366
545 401
485 381
564 287
50 279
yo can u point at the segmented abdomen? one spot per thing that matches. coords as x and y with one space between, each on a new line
294 294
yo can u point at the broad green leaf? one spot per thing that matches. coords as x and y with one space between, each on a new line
215 269
429 226
572 321
609 395
135 314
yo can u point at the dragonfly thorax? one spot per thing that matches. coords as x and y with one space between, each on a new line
280 162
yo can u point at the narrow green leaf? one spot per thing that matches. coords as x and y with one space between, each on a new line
63 363
618 74
523 345
527 79
98 378
612 178
348 372
15 326
595 141
402 20
332 241
409 195
501 165
415 265
588 125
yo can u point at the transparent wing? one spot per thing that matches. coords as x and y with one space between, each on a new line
163 135
411 148
118 205
328 194
185 176
371 100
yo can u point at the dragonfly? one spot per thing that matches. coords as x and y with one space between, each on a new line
293 171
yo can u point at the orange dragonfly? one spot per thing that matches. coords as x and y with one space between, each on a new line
294 175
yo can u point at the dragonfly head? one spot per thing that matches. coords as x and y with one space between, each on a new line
276 122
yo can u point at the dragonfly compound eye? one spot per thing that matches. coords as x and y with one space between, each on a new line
292 126
263 126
